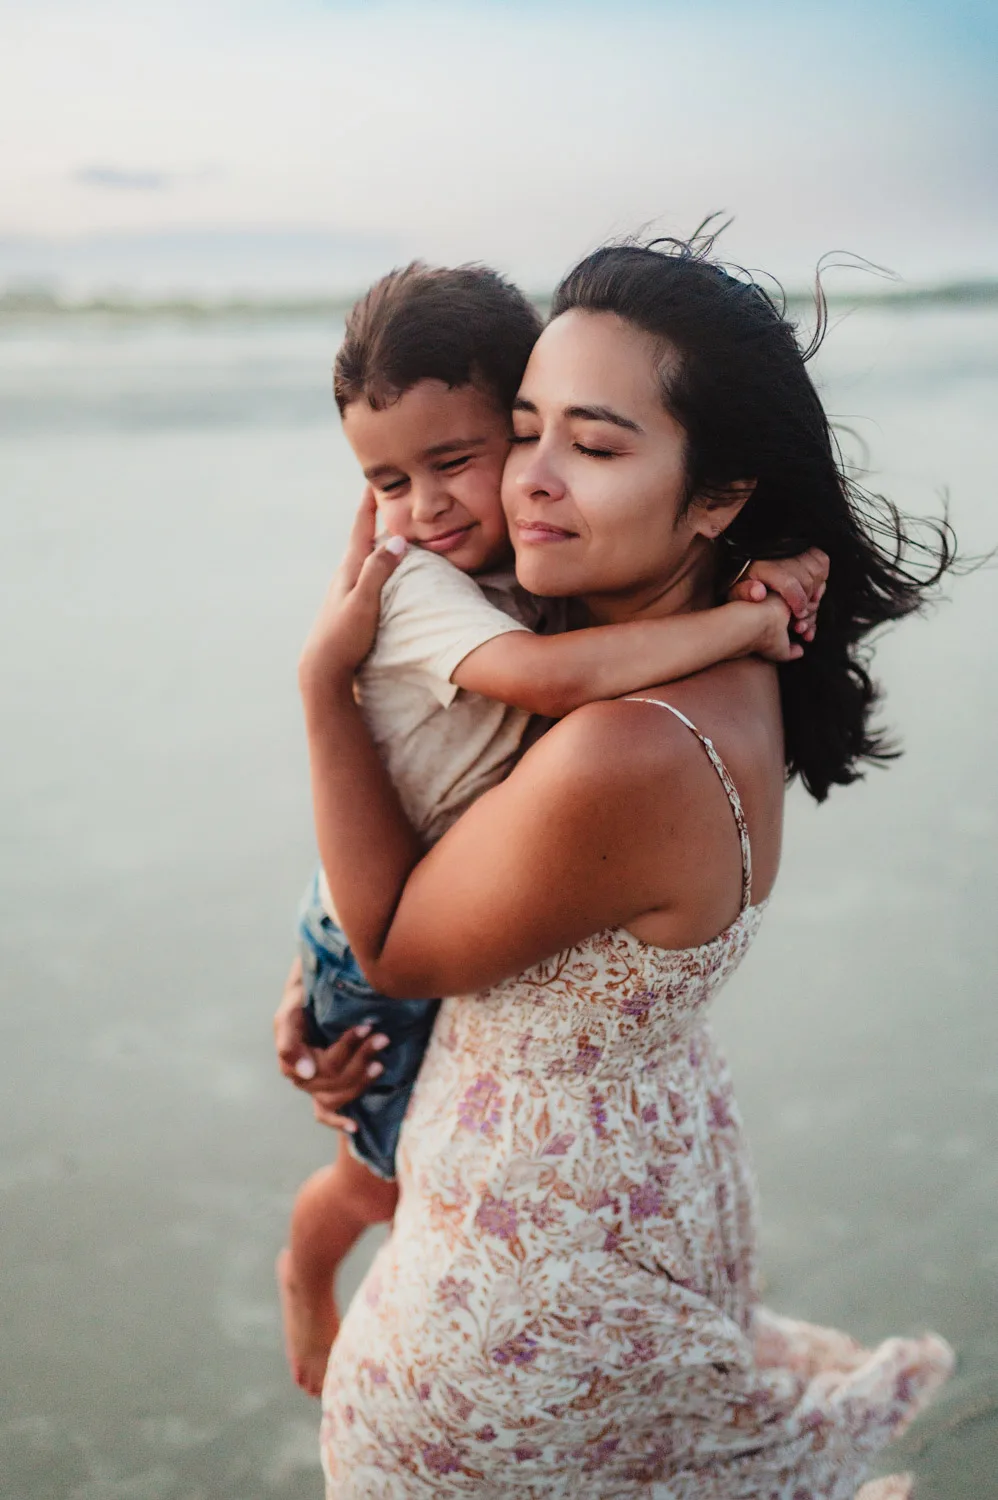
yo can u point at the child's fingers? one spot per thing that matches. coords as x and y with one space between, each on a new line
794 594
750 590
819 563
783 578
813 573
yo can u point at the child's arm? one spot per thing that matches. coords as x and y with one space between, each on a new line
552 675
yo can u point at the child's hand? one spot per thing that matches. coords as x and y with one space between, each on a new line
799 581
773 641
344 629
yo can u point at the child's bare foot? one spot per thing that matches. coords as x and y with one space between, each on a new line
311 1323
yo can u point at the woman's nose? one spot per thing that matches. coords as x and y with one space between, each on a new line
539 476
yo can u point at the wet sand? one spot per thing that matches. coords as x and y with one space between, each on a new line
172 502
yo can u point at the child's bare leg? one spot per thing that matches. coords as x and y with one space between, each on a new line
331 1211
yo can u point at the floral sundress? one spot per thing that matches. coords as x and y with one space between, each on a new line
567 1306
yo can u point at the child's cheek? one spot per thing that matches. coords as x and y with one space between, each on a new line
395 517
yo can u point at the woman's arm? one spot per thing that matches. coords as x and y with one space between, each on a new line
552 855
333 1076
575 840
570 843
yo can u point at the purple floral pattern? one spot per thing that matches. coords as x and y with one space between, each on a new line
567 1305
480 1106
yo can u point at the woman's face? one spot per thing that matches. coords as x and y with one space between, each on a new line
594 485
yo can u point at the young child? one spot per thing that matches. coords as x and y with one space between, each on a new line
463 662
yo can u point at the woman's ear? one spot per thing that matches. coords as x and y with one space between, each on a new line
710 516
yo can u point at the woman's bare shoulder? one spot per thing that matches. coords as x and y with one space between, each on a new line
733 702
615 761
640 762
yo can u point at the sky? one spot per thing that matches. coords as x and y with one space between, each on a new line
292 145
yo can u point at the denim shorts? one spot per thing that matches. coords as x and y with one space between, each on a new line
337 997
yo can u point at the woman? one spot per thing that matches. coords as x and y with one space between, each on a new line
568 1301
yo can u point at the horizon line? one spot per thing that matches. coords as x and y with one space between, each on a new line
26 301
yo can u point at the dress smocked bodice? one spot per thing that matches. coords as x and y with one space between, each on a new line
611 1004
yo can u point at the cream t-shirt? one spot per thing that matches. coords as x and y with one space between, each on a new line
443 746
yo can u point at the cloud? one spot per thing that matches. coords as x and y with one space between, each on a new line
520 133
141 179
121 179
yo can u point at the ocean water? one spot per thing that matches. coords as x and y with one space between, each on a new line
173 496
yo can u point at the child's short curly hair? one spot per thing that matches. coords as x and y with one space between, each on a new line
459 324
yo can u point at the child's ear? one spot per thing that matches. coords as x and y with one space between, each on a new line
713 514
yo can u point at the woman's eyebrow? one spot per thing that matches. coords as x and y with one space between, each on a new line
584 414
602 414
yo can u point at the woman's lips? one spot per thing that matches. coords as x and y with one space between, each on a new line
447 541
539 533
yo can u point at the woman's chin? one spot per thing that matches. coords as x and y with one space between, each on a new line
539 573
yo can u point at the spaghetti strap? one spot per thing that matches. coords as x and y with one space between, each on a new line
730 789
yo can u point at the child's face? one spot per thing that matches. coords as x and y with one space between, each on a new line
434 459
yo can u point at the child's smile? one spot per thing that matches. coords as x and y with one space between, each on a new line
434 459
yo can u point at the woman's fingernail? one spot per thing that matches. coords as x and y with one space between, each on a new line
373 1069
379 1042
305 1067
364 1030
396 545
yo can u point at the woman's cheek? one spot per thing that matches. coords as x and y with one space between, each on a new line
508 482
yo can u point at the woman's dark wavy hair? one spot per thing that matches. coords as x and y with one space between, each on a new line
741 391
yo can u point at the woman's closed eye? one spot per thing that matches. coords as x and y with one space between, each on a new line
520 438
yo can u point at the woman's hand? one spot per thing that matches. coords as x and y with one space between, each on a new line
799 581
333 1076
344 629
